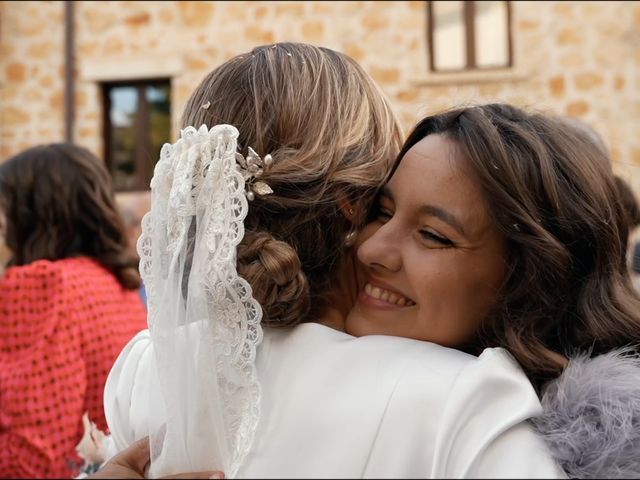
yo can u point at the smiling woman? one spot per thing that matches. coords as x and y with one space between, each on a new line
505 228
502 228
437 260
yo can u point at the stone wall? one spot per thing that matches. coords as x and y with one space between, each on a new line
31 74
577 58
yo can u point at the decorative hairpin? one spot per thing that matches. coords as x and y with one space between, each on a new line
252 168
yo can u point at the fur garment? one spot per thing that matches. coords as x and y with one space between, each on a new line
591 416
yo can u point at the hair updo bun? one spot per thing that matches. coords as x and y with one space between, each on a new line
273 270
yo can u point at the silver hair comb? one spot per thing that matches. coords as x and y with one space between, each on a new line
252 168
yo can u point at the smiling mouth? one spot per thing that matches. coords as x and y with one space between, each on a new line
388 296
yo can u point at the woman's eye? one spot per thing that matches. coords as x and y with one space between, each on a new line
429 236
384 215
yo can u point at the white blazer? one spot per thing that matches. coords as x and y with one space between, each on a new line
336 406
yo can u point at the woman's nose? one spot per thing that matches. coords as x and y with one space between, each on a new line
381 250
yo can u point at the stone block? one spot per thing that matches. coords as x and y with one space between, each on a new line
374 21
80 98
354 50
313 31
113 46
570 36
557 86
43 50
577 108
409 95
87 49
294 9
196 63
526 24
258 36
166 16
95 18
87 132
138 19
563 9
587 81
490 89
196 14
322 7
56 101
46 82
574 60
15 117
16 72
261 12
385 75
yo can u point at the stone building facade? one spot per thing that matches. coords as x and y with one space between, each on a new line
576 58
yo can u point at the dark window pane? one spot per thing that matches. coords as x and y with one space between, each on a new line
124 104
158 98
137 124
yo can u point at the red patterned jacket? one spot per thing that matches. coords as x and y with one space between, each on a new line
62 325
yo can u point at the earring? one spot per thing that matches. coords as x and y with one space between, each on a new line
350 238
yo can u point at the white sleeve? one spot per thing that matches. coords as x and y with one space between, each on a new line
130 387
484 432
516 453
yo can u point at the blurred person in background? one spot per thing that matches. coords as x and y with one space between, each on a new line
132 209
625 194
630 203
633 211
68 304
4 251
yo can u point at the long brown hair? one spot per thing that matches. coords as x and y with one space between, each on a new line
555 200
59 203
333 139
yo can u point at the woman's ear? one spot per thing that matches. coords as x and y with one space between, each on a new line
349 211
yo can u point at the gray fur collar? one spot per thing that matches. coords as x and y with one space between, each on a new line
591 416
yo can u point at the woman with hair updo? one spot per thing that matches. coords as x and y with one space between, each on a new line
504 230
68 305
315 141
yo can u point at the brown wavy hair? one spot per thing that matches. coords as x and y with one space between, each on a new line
628 199
555 200
333 139
59 203
624 189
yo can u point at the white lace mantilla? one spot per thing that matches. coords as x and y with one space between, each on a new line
203 319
